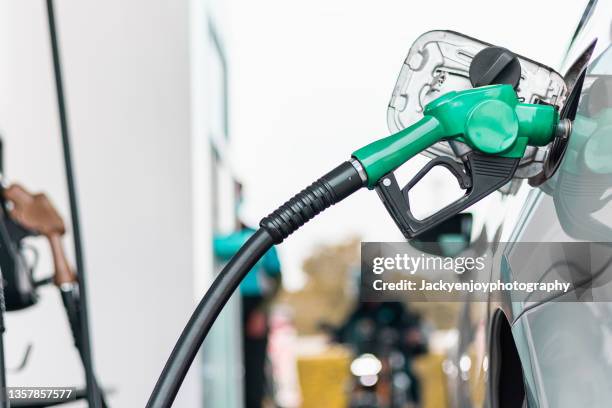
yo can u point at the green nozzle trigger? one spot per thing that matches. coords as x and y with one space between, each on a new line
489 119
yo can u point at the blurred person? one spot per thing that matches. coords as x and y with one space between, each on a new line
257 291
382 327
282 356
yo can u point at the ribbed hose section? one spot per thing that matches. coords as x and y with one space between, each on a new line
298 210
304 206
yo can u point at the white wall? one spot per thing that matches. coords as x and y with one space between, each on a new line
311 82
127 75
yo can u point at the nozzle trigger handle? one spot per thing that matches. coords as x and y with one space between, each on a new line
482 174
16 231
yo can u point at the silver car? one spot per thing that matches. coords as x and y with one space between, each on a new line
550 353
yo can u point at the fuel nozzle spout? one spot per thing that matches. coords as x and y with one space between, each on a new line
563 129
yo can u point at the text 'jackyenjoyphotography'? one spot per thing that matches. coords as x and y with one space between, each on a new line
471 286
457 271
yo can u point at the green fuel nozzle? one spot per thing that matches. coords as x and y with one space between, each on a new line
490 120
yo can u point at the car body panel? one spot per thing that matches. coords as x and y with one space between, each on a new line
565 346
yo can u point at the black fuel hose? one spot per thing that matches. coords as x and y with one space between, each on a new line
328 190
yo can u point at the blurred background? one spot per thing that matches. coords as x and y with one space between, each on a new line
191 117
